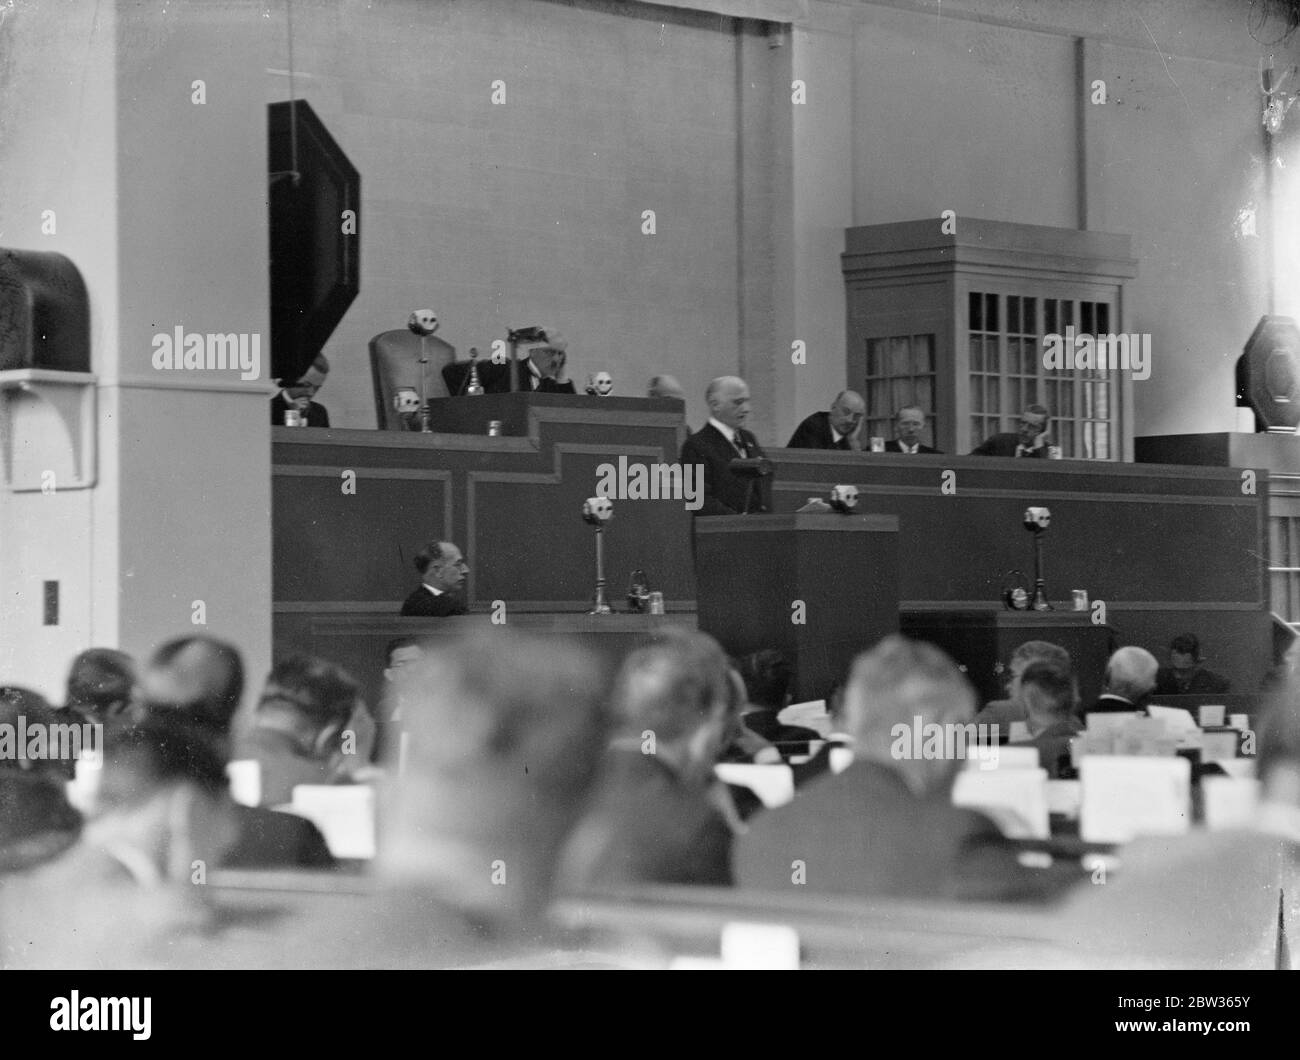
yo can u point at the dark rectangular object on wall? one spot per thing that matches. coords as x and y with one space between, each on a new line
819 587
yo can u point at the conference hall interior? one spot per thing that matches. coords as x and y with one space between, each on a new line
747 484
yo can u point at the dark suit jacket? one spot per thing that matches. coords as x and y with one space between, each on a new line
1109 704
269 839
316 414
1005 445
815 433
724 492
863 833
423 603
1203 682
892 446
646 825
1053 745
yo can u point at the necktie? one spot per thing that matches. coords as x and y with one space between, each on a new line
843 443
739 443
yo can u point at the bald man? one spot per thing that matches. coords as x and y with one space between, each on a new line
1130 679
840 428
720 441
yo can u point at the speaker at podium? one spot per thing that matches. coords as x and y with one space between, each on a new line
821 587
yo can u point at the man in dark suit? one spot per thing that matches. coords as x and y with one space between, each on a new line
298 396
1184 674
200 680
1047 690
1130 680
909 425
886 826
719 442
442 571
840 428
1030 439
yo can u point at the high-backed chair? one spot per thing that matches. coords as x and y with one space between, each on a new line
395 362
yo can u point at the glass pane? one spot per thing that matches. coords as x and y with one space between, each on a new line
923 354
899 356
976 311
1030 315
977 394
1103 318
993 401
1067 314
1030 350
992 361
878 399
1103 441
1013 314
991 312
976 431
976 353
1049 312
902 394
926 393
1085 315
876 356
1103 400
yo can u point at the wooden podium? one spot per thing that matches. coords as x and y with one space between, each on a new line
822 587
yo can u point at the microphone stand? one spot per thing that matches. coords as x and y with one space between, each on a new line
1040 602
602 607
426 417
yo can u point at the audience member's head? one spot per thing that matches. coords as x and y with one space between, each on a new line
302 390
909 424
768 677
680 687
36 821
37 739
101 683
1033 651
666 386
400 652
1131 674
893 684
506 731
728 400
1047 691
441 566
846 412
1184 653
311 701
200 677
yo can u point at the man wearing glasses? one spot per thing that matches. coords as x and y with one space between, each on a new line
297 398
1030 440
442 573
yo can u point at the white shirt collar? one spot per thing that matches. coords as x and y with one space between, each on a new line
728 433
903 447
436 592
835 436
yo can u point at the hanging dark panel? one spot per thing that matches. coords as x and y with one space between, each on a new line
315 263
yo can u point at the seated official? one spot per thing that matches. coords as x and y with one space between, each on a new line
1130 680
442 571
1185 675
840 428
1003 712
298 728
886 826
297 396
1047 690
1029 440
909 426
719 442
659 815
546 372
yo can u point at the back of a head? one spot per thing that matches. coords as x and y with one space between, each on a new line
674 686
1186 644
25 715
315 691
898 681
1131 673
101 682
200 676
1047 690
768 676
1041 651
506 728
161 751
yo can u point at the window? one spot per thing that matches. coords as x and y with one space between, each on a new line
900 372
1005 345
1284 566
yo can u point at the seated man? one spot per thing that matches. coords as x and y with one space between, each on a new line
659 815
909 426
101 684
297 733
886 826
768 677
1003 712
199 681
1184 674
442 572
1030 439
297 396
1130 680
840 428
1047 691
546 371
